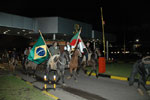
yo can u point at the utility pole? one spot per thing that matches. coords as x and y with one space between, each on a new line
103 31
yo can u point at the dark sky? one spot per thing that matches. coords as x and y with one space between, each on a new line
130 17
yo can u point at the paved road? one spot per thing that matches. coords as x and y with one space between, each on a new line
90 88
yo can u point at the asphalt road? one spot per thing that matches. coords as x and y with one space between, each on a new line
89 88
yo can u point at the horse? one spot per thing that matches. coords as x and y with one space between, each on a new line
13 61
30 65
92 61
141 67
58 63
12 64
73 65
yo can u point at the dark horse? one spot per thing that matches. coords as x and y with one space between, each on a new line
29 66
92 62
58 63
141 67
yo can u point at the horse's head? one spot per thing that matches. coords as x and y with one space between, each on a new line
77 52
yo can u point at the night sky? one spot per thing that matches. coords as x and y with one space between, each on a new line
122 17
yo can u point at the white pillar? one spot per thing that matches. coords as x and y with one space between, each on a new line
54 37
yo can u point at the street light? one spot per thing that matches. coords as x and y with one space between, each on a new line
137 40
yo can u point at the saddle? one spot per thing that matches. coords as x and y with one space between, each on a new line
146 62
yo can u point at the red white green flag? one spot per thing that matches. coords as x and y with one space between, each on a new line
74 40
81 45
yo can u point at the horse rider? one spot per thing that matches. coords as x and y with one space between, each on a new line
54 49
86 51
55 53
14 56
67 47
25 53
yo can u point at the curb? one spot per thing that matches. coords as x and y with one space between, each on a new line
43 91
115 77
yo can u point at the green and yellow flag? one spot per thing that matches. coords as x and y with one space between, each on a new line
39 52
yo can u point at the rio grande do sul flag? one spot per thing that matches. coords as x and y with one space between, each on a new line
39 53
74 40
81 45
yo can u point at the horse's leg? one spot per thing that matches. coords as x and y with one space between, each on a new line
139 89
47 71
62 75
96 72
95 69
75 74
79 64
59 75
70 73
84 65
143 82
90 72
34 70
91 63
78 70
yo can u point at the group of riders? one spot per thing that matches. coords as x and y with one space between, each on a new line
54 50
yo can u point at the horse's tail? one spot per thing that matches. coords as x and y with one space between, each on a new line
134 72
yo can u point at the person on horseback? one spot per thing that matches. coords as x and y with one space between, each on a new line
14 53
14 57
26 52
55 53
86 51
54 49
67 47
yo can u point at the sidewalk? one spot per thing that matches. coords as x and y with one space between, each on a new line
58 94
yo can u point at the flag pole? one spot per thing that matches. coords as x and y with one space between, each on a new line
103 31
45 43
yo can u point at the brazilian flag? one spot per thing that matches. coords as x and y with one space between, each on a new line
39 52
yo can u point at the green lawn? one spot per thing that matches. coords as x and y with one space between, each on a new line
117 69
12 88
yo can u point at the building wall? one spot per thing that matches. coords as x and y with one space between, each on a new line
66 26
16 21
47 24
50 25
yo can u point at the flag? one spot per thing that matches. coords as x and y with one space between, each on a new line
74 40
81 45
39 52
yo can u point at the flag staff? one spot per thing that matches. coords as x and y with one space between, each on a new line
45 43
103 31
